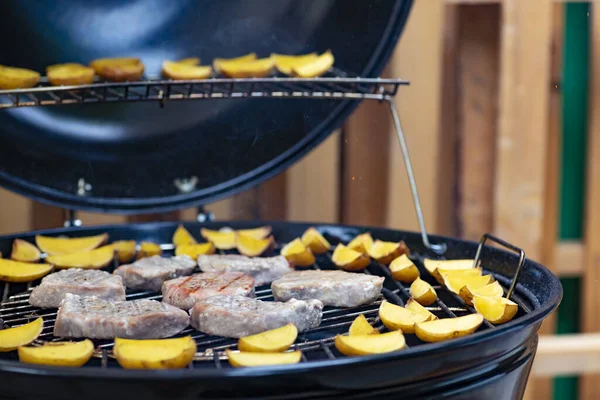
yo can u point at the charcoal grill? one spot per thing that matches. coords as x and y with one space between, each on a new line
84 172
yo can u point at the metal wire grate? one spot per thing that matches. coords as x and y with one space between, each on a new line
315 344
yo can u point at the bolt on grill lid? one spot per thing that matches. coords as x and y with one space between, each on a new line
131 157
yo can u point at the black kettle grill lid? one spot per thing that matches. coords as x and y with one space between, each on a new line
137 157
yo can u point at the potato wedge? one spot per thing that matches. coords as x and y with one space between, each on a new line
385 252
256 233
248 69
497 310
423 292
297 254
455 282
493 289
189 61
241 59
360 326
285 63
65 354
251 247
182 71
17 78
182 236
155 353
125 249
54 246
194 250
24 251
315 241
348 259
251 359
403 269
315 67
222 240
17 271
432 266
149 249
457 272
70 74
361 243
91 259
271 341
448 328
118 69
362 345
415 307
399 318
12 338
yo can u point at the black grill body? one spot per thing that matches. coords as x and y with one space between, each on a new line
492 363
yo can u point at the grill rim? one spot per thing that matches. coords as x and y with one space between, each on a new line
535 316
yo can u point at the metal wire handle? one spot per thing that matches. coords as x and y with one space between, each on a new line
509 246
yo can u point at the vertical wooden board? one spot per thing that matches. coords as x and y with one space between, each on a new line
43 216
590 385
523 132
88 218
418 58
313 184
14 213
264 202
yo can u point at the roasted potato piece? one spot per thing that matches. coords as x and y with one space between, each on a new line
156 353
64 354
297 254
448 328
442 273
247 69
12 338
496 310
433 266
361 243
362 345
241 59
399 318
315 67
415 307
222 239
149 249
54 246
17 78
404 270
256 233
455 282
315 241
181 236
17 271
423 292
493 289
360 326
285 63
272 341
183 72
194 250
251 359
118 69
251 247
24 251
91 259
189 61
125 250
70 74
385 252
348 259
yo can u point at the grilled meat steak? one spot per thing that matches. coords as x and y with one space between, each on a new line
185 291
149 273
238 316
263 269
95 318
83 282
333 288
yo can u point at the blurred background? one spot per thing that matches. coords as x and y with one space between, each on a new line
502 119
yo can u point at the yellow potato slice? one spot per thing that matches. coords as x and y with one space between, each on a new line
361 243
182 236
448 328
248 69
404 270
17 78
182 71
423 292
251 247
194 250
360 326
252 359
496 310
155 353
61 245
222 240
256 233
348 259
241 59
12 338
92 259
70 74
399 318
24 251
189 61
457 272
415 307
118 69
285 63
65 354
272 341
315 241
315 67
297 254
17 271
493 289
433 266
455 282
149 249
362 345
385 252
125 250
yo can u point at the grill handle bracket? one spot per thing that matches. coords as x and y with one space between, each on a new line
509 246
